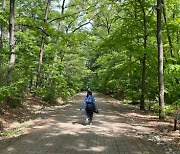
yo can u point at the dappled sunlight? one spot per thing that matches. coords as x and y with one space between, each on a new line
140 116
66 132
82 145
49 144
97 149
29 141
10 149
40 127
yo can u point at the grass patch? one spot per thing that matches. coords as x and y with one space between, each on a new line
10 133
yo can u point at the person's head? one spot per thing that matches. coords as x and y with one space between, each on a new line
89 93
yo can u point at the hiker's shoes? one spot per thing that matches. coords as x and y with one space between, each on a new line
88 122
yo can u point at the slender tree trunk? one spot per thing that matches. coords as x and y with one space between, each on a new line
108 26
31 82
42 47
143 81
177 40
160 61
57 39
2 26
40 61
11 32
11 40
167 29
177 36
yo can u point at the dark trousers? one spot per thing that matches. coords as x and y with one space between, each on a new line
89 116
89 112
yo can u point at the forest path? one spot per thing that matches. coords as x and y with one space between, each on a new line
65 132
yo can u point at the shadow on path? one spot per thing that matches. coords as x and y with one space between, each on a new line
65 132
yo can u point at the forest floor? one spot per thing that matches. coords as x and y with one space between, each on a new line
118 128
13 120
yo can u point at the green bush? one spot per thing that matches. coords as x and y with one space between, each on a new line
13 93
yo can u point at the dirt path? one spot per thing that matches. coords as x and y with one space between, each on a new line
64 131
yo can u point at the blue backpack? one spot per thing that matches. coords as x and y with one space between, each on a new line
90 104
90 99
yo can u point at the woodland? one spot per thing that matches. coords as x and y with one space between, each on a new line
126 48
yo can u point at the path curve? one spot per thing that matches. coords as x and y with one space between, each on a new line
66 133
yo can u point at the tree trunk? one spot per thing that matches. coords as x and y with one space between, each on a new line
167 29
57 39
2 26
31 82
160 61
177 40
42 47
11 40
143 83
145 36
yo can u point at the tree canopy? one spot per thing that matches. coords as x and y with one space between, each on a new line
55 48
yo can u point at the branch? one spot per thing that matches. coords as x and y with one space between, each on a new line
68 26
81 26
72 14
36 27
63 7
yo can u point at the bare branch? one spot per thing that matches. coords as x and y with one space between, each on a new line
65 16
81 26
36 27
68 26
63 7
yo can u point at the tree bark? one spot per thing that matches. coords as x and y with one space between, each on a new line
57 39
177 40
11 40
145 36
167 30
143 83
42 47
160 61
2 26
31 82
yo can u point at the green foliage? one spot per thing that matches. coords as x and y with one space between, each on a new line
10 133
105 54
116 58
14 92
172 77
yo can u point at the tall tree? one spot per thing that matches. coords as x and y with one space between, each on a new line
11 39
57 39
42 45
160 60
167 29
145 36
2 26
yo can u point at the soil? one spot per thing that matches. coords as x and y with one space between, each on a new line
143 123
161 131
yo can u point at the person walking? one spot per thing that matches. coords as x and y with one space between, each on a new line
90 107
